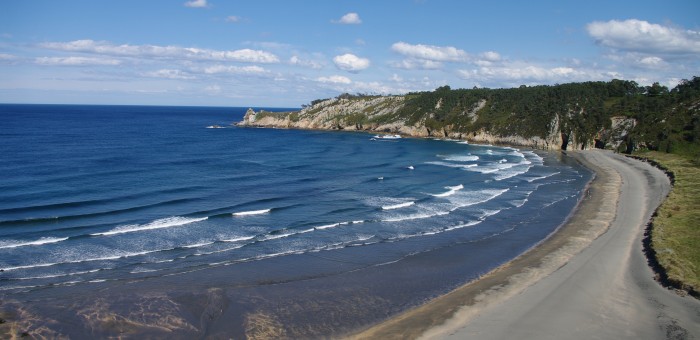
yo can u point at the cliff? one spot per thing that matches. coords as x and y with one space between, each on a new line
380 114
617 115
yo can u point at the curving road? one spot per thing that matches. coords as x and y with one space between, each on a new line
607 291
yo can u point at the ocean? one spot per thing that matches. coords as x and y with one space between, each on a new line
127 201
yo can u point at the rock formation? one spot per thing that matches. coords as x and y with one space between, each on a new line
380 114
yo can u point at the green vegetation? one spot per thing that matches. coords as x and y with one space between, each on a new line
676 228
664 120
276 115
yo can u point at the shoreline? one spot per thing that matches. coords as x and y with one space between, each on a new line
590 219
590 280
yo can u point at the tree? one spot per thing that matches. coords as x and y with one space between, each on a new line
656 90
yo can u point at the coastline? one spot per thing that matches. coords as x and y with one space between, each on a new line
511 278
588 280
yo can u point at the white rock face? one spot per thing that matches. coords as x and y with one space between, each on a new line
378 114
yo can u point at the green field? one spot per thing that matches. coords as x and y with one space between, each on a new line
676 228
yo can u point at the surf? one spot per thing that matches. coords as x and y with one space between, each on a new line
252 212
169 222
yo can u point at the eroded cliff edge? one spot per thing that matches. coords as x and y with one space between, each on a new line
618 115
382 114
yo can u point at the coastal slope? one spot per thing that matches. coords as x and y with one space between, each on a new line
590 280
617 115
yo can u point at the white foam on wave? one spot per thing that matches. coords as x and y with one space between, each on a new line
143 270
460 199
468 199
461 158
517 153
197 245
452 190
530 180
328 226
278 236
52 276
119 255
238 239
398 206
453 165
252 212
287 234
464 225
512 173
157 224
41 241
418 216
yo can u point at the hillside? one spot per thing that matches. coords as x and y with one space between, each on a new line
617 114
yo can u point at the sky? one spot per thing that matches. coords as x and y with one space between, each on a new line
286 53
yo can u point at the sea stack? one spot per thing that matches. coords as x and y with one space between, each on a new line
249 117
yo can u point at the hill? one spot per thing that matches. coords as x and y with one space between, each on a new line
618 115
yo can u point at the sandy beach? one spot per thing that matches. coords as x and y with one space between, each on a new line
590 280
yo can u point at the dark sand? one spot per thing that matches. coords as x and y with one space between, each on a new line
589 280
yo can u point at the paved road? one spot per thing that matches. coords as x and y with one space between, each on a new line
605 292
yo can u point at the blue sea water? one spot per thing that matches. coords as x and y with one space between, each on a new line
97 194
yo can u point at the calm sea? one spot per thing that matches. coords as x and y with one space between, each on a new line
92 196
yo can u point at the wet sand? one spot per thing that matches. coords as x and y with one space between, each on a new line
588 280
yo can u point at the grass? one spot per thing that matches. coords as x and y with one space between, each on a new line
676 228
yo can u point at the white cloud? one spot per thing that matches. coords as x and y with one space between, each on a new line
197 3
374 87
233 18
213 90
169 74
251 56
76 61
642 36
351 63
351 18
251 70
515 73
640 60
334 80
429 52
296 60
396 78
490 56
652 62
5 56
155 51
412 64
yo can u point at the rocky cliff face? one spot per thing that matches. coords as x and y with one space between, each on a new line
379 114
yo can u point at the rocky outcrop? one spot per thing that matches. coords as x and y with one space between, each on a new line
380 114
619 129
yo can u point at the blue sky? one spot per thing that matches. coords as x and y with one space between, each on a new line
285 53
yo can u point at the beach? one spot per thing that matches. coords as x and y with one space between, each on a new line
588 280
302 234
180 240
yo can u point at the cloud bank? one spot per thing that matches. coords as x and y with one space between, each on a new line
155 51
429 52
641 36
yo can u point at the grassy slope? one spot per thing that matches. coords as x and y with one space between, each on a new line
676 228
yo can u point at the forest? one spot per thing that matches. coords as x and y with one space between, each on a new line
665 120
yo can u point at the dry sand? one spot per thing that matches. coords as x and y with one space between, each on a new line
590 280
